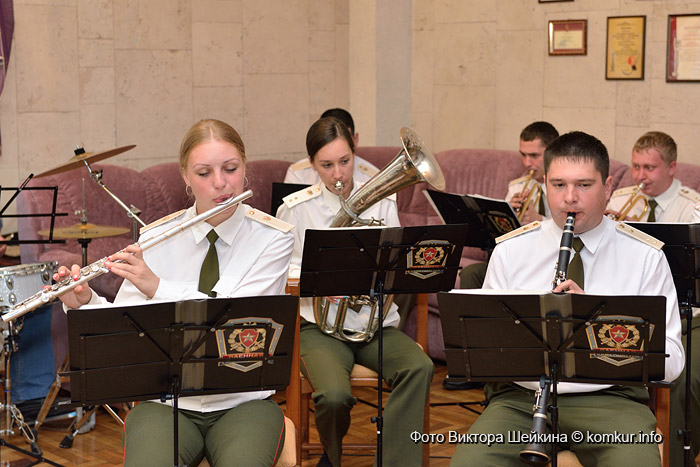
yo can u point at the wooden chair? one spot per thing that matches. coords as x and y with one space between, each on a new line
299 390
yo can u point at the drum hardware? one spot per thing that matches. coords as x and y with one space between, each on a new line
83 158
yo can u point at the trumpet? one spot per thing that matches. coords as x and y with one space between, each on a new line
565 248
98 268
634 198
533 197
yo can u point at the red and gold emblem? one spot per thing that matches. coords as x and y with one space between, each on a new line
242 341
427 258
613 333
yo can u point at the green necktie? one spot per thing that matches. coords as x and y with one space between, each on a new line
209 274
652 210
541 208
576 265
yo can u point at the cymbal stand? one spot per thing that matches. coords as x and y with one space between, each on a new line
11 414
133 212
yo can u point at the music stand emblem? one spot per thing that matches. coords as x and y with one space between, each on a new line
501 222
247 342
622 338
428 260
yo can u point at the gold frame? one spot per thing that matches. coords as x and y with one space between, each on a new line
568 37
682 67
625 46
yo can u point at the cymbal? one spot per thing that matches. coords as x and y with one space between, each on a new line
77 160
85 231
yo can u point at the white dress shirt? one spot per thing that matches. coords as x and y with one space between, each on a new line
253 261
301 172
317 213
614 263
676 204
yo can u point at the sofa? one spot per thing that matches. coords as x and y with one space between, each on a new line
160 190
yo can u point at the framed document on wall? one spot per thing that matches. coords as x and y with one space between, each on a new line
625 47
683 48
568 37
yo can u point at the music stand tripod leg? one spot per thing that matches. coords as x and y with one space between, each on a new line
51 396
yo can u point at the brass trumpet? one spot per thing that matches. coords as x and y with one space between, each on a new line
634 198
533 197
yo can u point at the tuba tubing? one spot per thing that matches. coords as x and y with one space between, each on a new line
634 198
533 196
413 164
96 269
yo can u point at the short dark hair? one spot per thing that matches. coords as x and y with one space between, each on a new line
324 131
577 146
342 115
544 131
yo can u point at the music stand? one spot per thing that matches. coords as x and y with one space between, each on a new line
681 247
282 190
552 338
375 261
173 349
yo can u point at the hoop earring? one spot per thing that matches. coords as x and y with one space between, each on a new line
245 181
188 190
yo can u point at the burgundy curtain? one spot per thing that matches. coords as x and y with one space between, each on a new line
7 27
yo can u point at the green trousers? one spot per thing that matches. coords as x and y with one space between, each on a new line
676 454
619 409
327 363
251 434
472 276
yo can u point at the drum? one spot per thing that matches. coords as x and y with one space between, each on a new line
24 280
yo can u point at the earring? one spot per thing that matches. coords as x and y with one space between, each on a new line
188 190
245 181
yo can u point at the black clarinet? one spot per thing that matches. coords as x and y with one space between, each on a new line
535 452
565 249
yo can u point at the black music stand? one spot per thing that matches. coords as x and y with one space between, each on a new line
377 261
173 349
554 338
682 250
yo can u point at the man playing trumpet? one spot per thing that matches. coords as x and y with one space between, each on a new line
661 197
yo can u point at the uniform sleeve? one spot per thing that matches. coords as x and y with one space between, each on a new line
268 275
288 215
391 214
495 272
659 281
291 176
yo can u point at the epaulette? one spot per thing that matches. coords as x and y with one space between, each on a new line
639 235
160 221
624 191
518 180
521 230
265 218
304 163
367 170
691 194
302 195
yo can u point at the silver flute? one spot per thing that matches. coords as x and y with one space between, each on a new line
98 268
565 248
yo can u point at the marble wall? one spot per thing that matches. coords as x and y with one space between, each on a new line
462 73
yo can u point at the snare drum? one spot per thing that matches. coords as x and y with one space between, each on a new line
22 281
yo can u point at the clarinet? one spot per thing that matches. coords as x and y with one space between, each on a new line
565 249
535 453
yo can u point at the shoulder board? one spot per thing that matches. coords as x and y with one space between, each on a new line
514 233
518 180
271 221
160 221
367 170
302 195
304 163
639 235
691 194
624 191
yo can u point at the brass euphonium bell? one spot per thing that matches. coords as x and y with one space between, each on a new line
413 164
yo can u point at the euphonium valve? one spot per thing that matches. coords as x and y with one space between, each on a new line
413 164
635 197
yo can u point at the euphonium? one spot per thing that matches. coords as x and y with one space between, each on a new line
533 197
634 198
98 268
413 164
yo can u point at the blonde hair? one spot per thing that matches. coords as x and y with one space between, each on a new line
209 130
661 142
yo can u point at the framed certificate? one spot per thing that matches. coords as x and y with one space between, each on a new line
554 1
683 48
625 47
568 37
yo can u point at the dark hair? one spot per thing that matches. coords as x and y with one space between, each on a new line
544 131
324 131
342 115
661 142
577 146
